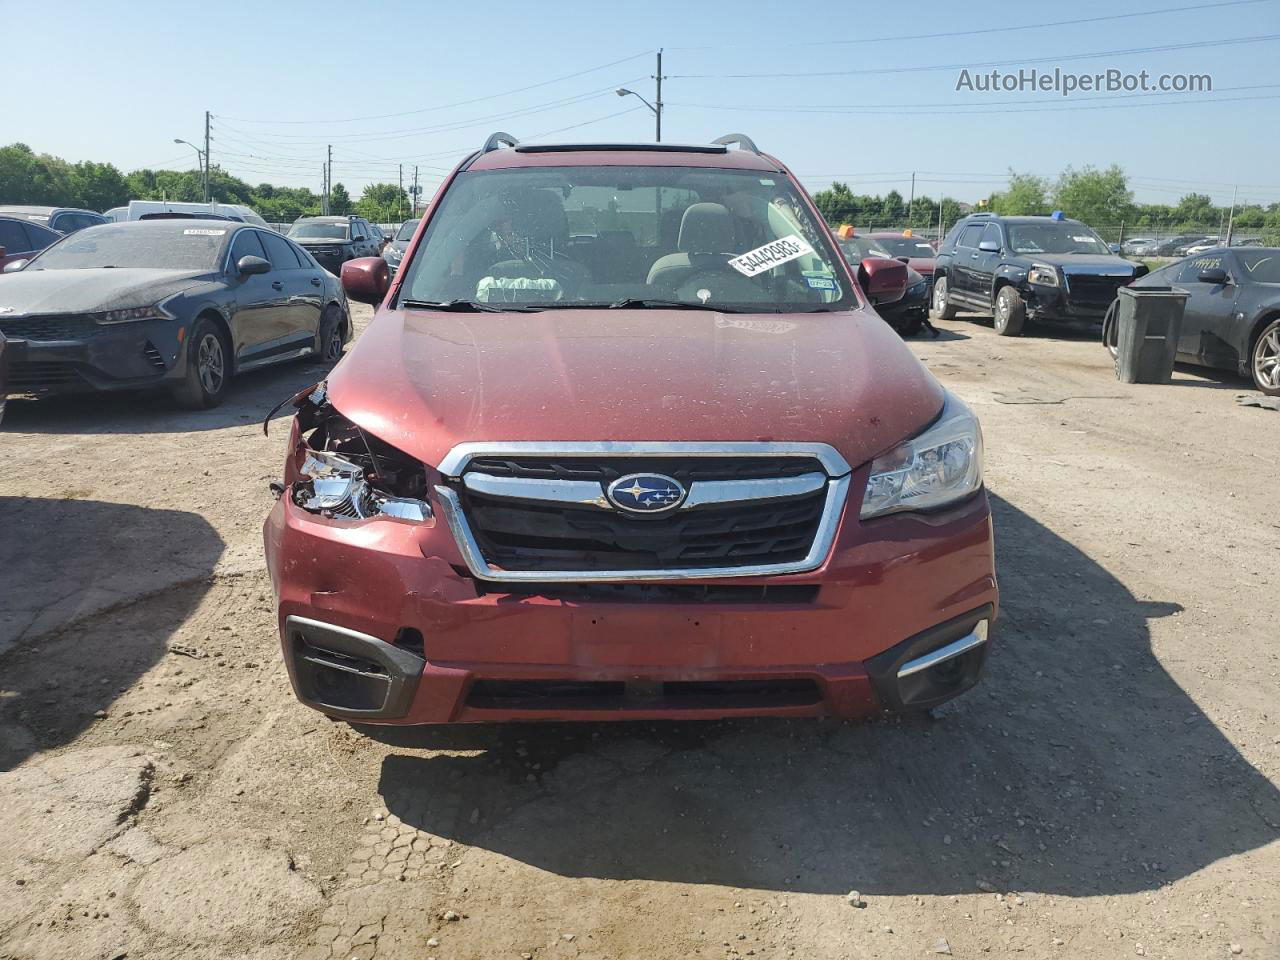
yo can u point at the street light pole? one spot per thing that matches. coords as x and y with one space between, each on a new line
201 165
657 111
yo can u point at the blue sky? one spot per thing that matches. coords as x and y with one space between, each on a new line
118 82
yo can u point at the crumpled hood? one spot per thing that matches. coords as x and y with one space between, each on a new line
86 291
1086 263
425 381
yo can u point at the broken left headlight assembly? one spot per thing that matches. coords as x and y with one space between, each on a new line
344 472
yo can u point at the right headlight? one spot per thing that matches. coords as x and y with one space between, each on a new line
936 468
1043 275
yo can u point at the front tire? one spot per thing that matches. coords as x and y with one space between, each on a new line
941 308
1111 330
1265 360
1010 312
329 341
204 383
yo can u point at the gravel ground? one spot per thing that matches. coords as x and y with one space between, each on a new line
1110 790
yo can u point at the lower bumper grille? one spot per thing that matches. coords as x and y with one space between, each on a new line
39 375
676 695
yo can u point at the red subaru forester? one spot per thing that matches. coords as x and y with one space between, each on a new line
626 439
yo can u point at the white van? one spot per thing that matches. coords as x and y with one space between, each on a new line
137 209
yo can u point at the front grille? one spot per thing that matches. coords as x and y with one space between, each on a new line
37 375
1093 291
672 695
51 328
538 536
685 469
693 593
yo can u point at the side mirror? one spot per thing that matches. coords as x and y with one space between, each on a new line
251 266
883 281
13 266
366 279
1214 275
989 246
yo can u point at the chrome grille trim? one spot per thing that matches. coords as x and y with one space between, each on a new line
584 493
456 460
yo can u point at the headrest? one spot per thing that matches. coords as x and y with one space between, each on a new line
706 228
540 216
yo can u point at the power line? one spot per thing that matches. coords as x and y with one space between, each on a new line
460 103
925 68
1198 8
904 110
898 106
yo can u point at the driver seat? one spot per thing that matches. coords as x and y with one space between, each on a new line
706 237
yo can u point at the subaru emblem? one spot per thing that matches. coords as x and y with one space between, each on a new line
646 493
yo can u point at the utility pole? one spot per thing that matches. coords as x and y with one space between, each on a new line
415 192
324 189
657 113
1231 219
400 194
912 201
206 156
328 179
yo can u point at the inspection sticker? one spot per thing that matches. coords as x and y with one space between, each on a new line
202 232
770 255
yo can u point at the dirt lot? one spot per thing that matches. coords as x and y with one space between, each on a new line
1109 791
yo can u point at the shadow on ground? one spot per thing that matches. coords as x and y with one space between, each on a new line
63 560
250 398
1078 767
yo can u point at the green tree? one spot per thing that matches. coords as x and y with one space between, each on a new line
1096 197
339 200
27 177
98 186
381 202
1195 210
836 203
1026 195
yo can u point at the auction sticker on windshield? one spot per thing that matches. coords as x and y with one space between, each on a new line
203 232
771 255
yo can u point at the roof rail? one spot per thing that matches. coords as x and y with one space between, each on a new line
741 139
497 141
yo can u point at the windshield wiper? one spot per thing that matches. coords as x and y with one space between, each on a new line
654 303
466 306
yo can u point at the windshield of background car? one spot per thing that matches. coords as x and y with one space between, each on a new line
1054 238
158 244
1261 266
406 229
856 249
564 236
318 231
908 247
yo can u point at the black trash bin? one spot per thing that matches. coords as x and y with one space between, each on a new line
1148 323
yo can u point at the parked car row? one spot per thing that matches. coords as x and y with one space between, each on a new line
178 302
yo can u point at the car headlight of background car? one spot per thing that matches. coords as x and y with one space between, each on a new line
1043 275
156 311
392 254
939 467
916 289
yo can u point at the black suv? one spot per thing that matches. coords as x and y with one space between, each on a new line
1022 268
335 240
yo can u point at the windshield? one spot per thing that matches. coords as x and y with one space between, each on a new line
908 247
318 231
596 235
159 244
406 229
856 248
1055 238
1261 266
